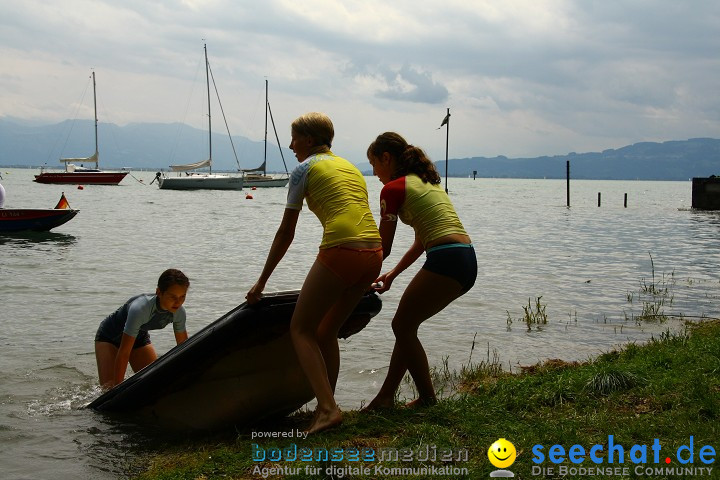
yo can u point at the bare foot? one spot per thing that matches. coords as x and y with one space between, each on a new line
324 420
379 404
421 402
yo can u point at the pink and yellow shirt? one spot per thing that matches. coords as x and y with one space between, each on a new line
423 206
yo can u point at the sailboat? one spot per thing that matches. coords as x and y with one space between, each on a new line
263 179
197 180
76 175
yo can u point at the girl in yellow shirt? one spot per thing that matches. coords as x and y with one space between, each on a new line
349 259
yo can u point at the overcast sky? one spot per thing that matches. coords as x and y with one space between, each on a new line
521 78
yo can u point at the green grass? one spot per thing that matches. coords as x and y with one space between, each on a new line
668 388
655 296
533 316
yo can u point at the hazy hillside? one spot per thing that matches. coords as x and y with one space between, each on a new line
139 145
673 160
155 146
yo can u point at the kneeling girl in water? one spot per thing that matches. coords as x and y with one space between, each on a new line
123 336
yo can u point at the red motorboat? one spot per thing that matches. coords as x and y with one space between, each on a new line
36 219
79 175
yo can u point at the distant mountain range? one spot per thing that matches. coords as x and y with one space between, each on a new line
137 145
672 160
154 146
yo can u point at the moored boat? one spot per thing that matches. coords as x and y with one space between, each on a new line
35 219
193 180
258 180
74 174
258 177
78 177
201 181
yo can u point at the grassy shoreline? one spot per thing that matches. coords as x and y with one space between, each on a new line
667 389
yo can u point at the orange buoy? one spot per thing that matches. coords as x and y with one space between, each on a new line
253 188
80 187
248 197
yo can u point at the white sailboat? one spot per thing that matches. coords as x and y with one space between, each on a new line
258 177
192 180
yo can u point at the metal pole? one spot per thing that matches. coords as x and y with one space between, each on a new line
96 120
207 80
267 105
447 143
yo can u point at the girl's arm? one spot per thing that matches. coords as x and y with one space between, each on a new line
413 253
180 337
283 238
387 232
123 358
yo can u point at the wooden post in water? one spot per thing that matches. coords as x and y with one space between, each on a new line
567 175
625 202
598 199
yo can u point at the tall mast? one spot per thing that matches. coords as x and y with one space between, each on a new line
97 159
266 115
207 81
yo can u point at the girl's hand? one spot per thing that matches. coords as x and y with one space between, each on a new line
255 293
382 283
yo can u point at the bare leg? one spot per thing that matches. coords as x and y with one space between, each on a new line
427 294
330 326
320 291
105 353
142 357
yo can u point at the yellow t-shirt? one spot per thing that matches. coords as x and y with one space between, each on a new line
336 193
423 206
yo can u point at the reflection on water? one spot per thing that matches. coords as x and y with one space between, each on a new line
31 239
706 217
586 263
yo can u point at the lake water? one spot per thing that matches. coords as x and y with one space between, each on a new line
587 263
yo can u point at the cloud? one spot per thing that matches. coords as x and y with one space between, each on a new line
412 85
522 77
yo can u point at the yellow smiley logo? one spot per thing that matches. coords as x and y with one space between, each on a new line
502 453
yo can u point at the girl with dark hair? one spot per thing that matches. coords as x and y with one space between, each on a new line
412 193
123 336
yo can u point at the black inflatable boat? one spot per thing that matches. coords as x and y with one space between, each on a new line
239 369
